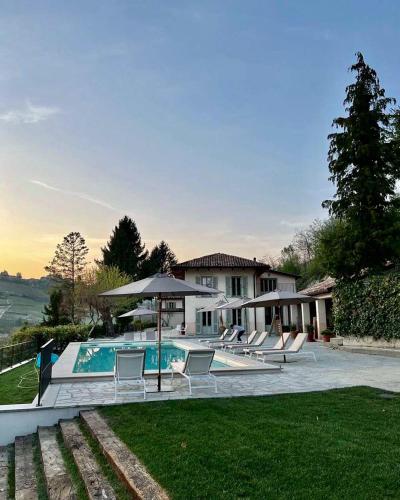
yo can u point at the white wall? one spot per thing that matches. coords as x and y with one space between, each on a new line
193 302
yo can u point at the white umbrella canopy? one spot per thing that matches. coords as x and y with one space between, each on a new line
160 286
212 307
234 304
139 311
278 298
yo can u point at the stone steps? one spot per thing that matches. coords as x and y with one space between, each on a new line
97 486
4 465
25 472
52 461
124 462
58 481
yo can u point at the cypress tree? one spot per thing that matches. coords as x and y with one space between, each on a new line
364 166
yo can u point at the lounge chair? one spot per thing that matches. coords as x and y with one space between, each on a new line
229 341
216 339
129 368
196 367
251 344
295 349
250 339
280 344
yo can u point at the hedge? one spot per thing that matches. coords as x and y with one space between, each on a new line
368 307
62 335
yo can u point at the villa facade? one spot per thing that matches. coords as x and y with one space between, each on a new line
235 277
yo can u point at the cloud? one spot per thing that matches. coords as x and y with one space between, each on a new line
29 114
77 194
294 224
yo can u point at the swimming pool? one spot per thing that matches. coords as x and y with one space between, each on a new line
97 357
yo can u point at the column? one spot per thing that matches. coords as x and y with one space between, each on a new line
293 314
321 315
305 312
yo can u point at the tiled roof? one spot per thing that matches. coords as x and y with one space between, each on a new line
221 260
319 288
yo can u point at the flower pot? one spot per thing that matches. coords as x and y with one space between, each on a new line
310 337
294 334
326 338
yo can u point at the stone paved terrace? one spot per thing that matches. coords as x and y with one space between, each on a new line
334 369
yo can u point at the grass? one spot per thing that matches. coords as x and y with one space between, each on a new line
334 444
10 393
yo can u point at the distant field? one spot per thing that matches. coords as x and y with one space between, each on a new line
21 301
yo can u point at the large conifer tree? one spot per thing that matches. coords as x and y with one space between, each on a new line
125 249
364 166
161 260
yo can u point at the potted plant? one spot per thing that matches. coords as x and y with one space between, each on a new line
293 331
327 334
310 331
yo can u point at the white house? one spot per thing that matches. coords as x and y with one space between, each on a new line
234 277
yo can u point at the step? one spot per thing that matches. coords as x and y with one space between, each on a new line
4 464
58 481
97 486
25 473
125 463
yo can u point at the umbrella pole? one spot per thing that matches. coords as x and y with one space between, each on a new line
159 343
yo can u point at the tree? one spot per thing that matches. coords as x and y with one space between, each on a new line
96 281
124 249
55 312
160 260
67 266
364 166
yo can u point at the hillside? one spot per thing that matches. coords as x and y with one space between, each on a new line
21 300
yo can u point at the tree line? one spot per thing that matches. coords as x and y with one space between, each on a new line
362 232
124 258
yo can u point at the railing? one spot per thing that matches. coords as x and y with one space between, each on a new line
13 354
46 368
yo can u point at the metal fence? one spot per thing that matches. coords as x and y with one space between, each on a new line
13 354
46 368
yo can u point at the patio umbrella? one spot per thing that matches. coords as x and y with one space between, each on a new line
278 298
160 286
213 307
139 311
236 304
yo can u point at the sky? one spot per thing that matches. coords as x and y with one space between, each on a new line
204 121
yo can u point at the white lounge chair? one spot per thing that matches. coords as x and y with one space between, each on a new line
251 344
129 370
250 339
196 368
216 339
280 344
229 341
295 349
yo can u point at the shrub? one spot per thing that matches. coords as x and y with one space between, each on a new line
293 327
62 335
368 307
327 333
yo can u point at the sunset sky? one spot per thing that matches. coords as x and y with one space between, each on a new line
204 121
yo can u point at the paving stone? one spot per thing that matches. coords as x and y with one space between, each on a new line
97 486
25 473
124 462
58 480
4 464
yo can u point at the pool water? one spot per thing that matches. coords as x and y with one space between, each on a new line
100 357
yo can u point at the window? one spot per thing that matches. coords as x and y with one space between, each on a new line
236 286
237 317
171 305
206 318
207 281
268 285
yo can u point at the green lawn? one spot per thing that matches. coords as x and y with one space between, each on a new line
10 393
336 444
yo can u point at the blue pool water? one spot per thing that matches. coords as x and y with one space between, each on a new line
100 357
